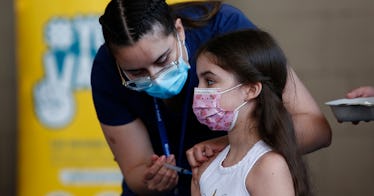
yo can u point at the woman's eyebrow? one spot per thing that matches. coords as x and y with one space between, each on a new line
162 55
157 60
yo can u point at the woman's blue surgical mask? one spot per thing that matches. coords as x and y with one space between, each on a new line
166 83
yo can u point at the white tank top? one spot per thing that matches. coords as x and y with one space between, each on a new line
217 180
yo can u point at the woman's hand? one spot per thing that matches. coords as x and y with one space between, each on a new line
158 177
201 152
199 156
364 91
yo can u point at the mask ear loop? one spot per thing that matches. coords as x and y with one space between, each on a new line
236 110
240 106
229 89
236 113
180 48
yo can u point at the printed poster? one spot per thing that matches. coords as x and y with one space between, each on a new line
62 150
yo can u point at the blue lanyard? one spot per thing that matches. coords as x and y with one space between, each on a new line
184 122
161 129
161 126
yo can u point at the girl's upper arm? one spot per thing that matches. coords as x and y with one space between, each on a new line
312 129
270 176
132 149
195 188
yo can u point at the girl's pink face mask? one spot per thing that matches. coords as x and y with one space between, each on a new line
208 111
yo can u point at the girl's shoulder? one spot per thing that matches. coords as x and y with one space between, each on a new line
270 161
270 173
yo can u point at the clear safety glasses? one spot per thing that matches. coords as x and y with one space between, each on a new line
144 82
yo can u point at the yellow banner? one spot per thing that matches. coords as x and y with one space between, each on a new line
62 151
178 1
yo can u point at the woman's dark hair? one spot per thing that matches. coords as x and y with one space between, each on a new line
124 22
254 56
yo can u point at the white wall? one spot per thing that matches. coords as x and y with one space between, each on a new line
330 44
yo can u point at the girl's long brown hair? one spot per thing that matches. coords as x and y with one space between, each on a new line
253 56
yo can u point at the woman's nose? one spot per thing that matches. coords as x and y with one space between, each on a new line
153 70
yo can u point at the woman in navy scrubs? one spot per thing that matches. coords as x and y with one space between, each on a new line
142 86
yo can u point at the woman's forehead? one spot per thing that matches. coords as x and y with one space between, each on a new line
144 52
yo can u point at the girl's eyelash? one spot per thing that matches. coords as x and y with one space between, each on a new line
209 82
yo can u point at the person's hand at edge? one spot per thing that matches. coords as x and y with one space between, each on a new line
363 91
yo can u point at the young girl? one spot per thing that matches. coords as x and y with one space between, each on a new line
242 76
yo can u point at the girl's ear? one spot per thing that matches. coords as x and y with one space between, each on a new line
253 90
180 29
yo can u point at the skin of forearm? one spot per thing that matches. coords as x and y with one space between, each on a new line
135 181
313 132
